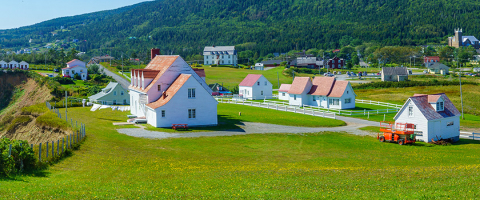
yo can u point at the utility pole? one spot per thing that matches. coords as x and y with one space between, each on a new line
278 80
122 62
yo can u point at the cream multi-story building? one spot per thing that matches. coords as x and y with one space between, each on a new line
220 55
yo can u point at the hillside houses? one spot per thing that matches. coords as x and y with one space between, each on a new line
14 65
255 86
168 91
324 92
394 74
433 115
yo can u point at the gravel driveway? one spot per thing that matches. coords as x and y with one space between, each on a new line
245 128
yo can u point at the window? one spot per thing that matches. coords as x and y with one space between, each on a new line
258 83
294 97
283 93
206 57
207 62
222 57
121 93
163 113
124 102
191 93
261 92
450 123
114 92
191 113
228 56
159 87
349 100
81 70
440 106
114 102
313 98
347 91
265 82
222 61
410 111
334 102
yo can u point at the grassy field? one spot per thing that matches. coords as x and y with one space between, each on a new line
228 118
272 166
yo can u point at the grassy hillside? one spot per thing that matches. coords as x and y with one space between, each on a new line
110 165
186 26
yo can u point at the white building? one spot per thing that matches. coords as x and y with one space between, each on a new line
168 91
324 92
24 65
220 55
75 67
433 115
13 64
3 64
113 94
283 91
255 86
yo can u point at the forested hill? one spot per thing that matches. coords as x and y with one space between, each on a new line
186 26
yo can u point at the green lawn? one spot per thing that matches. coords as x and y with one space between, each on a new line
110 165
77 83
228 118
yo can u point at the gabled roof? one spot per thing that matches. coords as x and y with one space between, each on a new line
73 67
471 38
322 85
160 63
73 61
422 103
147 73
438 66
200 72
3 62
432 98
171 91
250 80
394 71
271 62
338 89
13 62
284 87
299 85
219 48
102 93
23 62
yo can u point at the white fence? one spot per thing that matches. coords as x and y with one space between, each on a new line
378 103
468 135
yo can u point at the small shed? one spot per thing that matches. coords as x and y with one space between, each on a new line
395 74
255 86
434 117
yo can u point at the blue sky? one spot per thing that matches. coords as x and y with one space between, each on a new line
18 13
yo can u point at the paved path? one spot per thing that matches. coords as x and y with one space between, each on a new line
123 82
245 128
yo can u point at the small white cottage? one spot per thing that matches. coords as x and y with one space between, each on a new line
75 67
324 92
13 64
255 86
24 65
113 94
433 115
283 91
3 64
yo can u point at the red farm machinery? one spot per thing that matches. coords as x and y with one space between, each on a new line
402 133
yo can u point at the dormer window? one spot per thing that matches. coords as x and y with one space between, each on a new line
440 106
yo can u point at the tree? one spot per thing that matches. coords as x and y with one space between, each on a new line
355 59
349 65
345 40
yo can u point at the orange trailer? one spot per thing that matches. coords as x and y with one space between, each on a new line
403 133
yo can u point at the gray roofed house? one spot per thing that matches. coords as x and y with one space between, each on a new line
438 68
220 55
113 94
395 74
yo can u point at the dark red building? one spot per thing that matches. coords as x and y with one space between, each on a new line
335 63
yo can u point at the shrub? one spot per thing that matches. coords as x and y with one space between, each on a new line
18 121
35 110
50 119
22 157
63 80
402 84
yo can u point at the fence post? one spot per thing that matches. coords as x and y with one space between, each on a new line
53 149
251 103
377 111
268 105
40 152
303 110
334 116
58 147
78 138
47 151
63 145
364 111
10 150
339 112
31 146
68 141
323 113
295 109
383 117
76 124
368 117
285 108
387 109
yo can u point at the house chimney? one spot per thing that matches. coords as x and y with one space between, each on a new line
155 52
164 94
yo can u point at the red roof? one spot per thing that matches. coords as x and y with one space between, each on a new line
299 85
171 91
160 63
284 87
250 80
72 67
433 98
200 72
73 61
338 89
429 58
422 103
322 86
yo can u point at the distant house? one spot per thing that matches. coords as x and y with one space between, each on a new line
220 55
271 63
335 63
259 66
201 73
168 91
283 91
113 94
24 65
3 64
463 41
99 59
430 60
218 89
13 64
255 86
438 68
433 115
477 69
394 74
75 67
324 92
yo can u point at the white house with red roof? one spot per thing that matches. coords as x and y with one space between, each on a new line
324 92
434 116
255 86
168 91
283 92
75 67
